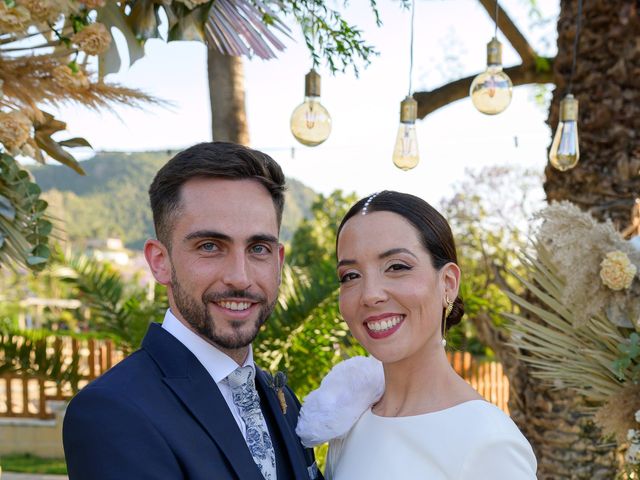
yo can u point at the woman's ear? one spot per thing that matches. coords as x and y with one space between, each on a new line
451 279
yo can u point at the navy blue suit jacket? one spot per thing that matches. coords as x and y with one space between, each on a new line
158 414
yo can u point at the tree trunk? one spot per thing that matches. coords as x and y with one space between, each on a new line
226 93
606 181
566 444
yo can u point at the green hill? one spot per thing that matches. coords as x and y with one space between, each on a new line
111 200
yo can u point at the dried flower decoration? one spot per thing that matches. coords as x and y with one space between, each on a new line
45 11
93 4
14 19
15 130
191 4
616 270
93 39
68 79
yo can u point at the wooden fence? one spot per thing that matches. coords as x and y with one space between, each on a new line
22 396
25 397
487 378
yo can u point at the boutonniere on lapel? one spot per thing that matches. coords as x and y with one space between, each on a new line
277 382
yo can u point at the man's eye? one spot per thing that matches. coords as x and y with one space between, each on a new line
208 247
348 277
260 249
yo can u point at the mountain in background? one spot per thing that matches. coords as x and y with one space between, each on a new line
112 200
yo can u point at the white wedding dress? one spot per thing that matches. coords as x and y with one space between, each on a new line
472 440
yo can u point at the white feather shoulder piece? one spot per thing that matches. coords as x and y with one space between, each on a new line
348 390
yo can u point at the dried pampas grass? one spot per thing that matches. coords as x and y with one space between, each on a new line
617 416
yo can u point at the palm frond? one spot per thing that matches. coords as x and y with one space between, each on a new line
559 351
242 27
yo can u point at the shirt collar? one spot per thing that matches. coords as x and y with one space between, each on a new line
218 364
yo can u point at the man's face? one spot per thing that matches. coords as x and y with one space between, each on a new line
225 260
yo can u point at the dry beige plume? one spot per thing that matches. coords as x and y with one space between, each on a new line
15 130
617 416
93 39
93 4
14 19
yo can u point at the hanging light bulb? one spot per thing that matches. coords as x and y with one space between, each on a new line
310 121
491 90
405 151
565 150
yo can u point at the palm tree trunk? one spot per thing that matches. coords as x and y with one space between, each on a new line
226 93
607 85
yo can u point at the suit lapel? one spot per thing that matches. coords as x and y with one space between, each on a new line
190 382
291 440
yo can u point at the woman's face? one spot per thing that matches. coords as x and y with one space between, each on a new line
390 294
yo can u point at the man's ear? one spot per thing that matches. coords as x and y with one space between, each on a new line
159 261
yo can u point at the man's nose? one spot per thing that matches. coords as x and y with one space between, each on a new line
236 271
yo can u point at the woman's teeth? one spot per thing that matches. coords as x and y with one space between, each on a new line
382 325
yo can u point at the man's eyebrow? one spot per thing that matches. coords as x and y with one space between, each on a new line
207 234
388 253
263 237
201 234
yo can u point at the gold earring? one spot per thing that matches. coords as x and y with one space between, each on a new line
449 307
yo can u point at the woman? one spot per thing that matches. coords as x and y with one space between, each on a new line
409 415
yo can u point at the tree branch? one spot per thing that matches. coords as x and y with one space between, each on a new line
513 34
430 101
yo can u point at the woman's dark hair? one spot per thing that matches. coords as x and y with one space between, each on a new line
433 230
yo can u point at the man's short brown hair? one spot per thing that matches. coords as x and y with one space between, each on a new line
210 160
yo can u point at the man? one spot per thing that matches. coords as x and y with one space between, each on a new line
191 403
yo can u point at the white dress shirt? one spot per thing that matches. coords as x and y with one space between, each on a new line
218 364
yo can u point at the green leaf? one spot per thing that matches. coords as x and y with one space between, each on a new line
33 260
109 62
6 208
75 142
144 19
190 24
54 149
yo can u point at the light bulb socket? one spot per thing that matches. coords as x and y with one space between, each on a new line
494 52
312 84
408 110
569 109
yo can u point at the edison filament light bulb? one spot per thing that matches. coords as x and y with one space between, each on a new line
310 121
491 90
405 151
565 150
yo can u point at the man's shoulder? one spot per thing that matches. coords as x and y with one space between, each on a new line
128 376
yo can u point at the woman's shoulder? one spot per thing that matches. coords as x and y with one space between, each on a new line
345 393
481 420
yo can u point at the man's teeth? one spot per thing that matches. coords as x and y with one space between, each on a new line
235 305
382 325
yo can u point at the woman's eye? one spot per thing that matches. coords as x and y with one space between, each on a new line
348 276
398 267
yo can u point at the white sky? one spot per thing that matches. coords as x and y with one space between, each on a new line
450 41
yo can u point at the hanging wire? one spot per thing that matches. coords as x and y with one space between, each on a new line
575 47
495 31
413 14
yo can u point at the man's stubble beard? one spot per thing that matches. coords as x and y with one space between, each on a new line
197 315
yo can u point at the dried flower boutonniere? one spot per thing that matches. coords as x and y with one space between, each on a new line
277 382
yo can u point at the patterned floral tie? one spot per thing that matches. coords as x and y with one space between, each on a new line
245 396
